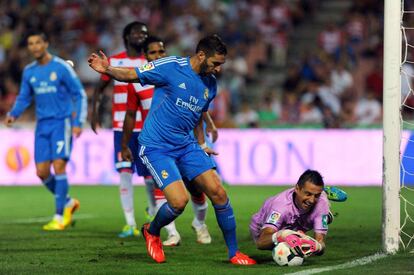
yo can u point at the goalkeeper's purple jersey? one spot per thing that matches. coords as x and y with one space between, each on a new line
180 98
280 212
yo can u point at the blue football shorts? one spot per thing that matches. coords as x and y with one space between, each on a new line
167 166
53 139
121 164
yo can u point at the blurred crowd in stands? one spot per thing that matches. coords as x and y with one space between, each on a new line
337 85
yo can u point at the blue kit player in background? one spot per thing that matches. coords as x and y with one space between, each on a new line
61 109
184 88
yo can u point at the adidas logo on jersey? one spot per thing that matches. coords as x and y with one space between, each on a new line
182 86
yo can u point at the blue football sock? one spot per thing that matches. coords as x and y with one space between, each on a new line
61 191
165 215
50 183
227 223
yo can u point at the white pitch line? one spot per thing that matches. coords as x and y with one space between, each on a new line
357 262
45 219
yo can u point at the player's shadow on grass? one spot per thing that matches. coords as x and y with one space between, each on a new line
9 238
96 235
263 259
142 257
30 250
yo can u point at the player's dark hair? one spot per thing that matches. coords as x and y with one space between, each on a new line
311 176
40 33
149 40
211 45
128 28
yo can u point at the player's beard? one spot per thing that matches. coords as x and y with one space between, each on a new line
137 44
40 56
137 47
203 68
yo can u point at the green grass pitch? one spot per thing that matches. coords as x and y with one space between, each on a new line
91 246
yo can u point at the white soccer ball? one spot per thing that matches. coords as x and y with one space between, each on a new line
283 255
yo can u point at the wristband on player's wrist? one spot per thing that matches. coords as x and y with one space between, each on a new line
203 146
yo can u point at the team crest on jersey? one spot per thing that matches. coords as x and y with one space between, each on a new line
164 174
273 218
206 94
53 76
32 79
146 67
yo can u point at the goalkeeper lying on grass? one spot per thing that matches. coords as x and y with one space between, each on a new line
286 216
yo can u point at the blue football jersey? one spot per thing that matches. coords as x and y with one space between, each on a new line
56 89
180 97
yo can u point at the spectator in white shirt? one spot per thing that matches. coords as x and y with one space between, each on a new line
368 110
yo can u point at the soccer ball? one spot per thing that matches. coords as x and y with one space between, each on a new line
283 255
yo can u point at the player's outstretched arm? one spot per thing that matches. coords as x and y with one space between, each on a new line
100 63
23 100
266 240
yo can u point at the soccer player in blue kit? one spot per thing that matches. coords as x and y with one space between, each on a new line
61 109
185 87
154 49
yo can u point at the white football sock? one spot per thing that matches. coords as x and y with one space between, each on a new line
126 191
149 188
171 229
58 217
200 213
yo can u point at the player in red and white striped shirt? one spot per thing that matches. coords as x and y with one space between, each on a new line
134 36
141 100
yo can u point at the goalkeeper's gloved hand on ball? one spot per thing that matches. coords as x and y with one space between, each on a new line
301 244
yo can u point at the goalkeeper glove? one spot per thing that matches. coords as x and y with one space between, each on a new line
300 243
310 247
